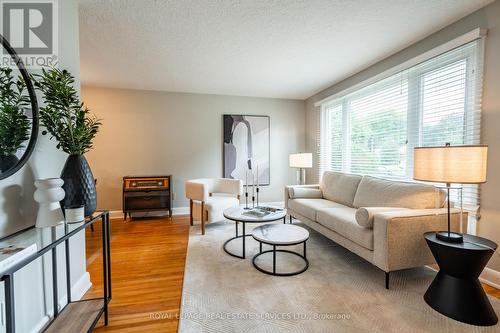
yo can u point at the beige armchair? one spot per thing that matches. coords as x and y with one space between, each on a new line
209 197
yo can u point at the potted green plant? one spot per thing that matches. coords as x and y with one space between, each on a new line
72 125
14 123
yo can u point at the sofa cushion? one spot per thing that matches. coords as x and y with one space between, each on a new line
343 222
366 215
308 207
296 192
376 192
339 187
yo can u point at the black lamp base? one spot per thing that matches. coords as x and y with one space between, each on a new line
450 237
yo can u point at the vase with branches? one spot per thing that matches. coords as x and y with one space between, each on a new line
14 123
67 120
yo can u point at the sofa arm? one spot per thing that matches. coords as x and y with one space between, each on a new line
288 187
398 236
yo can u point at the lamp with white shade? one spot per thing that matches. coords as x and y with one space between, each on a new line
450 164
301 161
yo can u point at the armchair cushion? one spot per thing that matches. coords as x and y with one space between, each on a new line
214 208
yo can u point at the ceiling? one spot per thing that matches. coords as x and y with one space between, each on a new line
265 48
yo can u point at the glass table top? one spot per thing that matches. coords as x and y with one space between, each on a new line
44 237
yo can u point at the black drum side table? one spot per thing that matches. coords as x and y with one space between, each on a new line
456 291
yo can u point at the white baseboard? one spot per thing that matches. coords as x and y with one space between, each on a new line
490 277
77 290
40 325
81 287
118 214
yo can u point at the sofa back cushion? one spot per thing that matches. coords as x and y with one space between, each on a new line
339 187
376 192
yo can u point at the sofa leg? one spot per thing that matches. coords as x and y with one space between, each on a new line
202 217
387 280
191 212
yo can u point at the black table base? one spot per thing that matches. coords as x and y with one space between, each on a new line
243 236
461 299
456 291
274 251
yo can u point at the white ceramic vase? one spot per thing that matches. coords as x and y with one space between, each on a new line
48 194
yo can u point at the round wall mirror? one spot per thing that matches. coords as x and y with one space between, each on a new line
18 112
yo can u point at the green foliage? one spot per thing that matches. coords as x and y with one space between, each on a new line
64 116
14 124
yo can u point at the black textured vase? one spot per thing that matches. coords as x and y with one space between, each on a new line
79 184
8 162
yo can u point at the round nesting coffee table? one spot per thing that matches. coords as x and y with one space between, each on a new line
280 235
236 214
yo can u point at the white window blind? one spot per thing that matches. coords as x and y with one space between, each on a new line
374 129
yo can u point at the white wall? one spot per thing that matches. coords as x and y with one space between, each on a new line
148 132
18 209
487 17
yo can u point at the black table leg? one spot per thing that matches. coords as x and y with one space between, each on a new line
274 259
243 240
105 269
9 303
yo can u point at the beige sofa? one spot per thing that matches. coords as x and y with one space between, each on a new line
382 221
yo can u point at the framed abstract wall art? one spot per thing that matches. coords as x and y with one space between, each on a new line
247 148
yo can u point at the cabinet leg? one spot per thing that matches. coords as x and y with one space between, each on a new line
202 217
191 212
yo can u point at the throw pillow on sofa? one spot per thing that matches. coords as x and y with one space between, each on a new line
366 215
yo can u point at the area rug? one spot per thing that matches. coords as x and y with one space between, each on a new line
340 292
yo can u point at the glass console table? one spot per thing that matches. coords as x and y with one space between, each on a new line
75 316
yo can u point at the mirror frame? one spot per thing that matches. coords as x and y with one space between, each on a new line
34 110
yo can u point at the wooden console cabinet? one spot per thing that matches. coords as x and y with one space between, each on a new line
147 193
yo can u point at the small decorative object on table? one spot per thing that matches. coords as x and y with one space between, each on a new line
12 254
74 214
301 161
68 121
456 291
48 195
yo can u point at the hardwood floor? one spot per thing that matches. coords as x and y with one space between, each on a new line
148 259
147 263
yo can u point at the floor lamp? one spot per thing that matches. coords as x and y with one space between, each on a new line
450 164
301 161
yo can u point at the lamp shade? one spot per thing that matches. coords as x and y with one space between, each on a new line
451 164
302 160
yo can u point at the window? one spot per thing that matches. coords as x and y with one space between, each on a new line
373 130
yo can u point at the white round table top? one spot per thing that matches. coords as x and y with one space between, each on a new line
280 234
236 214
